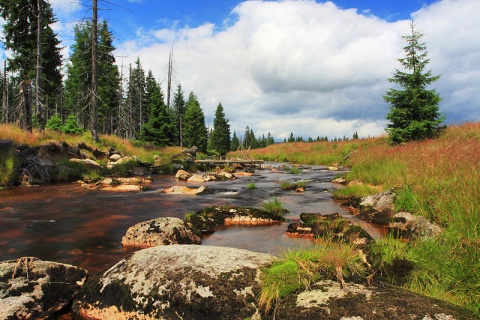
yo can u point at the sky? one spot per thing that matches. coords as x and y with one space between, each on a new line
311 68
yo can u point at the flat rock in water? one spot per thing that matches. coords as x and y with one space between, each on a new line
186 190
176 282
160 231
34 289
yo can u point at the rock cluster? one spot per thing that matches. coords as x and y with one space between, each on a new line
211 176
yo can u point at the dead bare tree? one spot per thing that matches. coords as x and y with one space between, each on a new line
38 80
94 97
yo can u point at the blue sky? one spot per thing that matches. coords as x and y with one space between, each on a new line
126 17
307 67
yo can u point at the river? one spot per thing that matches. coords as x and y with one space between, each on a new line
67 223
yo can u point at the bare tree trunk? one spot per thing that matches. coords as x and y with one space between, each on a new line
169 76
25 106
94 97
5 93
38 84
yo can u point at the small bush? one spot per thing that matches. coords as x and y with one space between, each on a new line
54 123
71 126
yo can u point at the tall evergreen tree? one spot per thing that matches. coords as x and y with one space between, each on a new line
20 33
136 96
270 139
414 111
108 81
160 127
179 107
235 143
195 132
221 132
79 75
77 84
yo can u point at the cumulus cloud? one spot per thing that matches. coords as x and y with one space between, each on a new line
292 66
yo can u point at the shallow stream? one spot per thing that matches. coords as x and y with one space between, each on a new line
66 223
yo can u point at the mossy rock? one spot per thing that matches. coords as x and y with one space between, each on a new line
331 226
210 219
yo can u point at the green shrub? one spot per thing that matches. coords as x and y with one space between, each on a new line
71 126
55 124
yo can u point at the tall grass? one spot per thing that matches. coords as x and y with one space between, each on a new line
438 179
325 153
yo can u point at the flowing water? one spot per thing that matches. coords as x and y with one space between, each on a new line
67 223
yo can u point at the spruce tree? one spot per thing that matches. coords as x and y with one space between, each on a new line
221 132
194 132
159 128
235 143
108 81
79 75
77 84
20 36
414 111
179 107
138 109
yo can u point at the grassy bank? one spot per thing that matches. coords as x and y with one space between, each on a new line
9 172
438 179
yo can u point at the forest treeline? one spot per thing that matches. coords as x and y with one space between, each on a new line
41 89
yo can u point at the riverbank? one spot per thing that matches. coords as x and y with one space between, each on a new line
437 179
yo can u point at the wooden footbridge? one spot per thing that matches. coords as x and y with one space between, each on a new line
228 162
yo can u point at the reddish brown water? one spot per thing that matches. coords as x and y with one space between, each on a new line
66 223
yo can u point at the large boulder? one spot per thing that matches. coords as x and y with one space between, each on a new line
34 289
379 208
176 282
160 231
329 301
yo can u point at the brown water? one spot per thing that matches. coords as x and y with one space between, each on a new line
66 223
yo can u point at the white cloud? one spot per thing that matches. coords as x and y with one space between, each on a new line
310 68
65 7
291 66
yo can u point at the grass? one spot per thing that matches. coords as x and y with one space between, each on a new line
298 269
274 206
251 186
287 185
